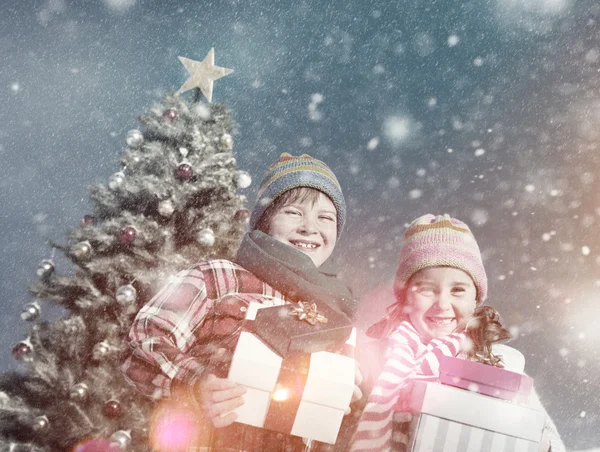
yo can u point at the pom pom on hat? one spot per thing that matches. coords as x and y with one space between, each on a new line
441 241
292 172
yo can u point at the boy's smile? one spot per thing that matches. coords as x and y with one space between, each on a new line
309 227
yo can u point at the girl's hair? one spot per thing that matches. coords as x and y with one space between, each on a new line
394 315
299 195
484 329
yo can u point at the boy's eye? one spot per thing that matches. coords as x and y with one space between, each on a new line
292 212
327 217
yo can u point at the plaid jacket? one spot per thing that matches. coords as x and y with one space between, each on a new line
175 334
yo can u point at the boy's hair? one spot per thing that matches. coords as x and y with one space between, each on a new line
295 195
290 172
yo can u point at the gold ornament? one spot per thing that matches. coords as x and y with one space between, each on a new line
203 74
31 311
308 312
82 250
80 392
121 439
100 350
40 423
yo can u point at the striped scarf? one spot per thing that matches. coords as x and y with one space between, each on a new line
409 358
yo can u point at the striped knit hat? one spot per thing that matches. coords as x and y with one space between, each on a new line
441 241
292 172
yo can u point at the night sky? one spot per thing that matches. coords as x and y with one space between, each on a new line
486 110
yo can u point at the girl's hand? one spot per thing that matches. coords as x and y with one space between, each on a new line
219 397
545 443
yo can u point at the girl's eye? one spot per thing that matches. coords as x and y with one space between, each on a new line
425 290
458 290
327 218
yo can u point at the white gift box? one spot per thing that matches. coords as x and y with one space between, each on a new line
456 420
304 396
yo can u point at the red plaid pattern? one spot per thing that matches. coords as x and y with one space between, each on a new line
164 347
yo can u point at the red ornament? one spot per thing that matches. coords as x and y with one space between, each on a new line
184 171
242 215
22 351
87 220
127 235
112 408
170 114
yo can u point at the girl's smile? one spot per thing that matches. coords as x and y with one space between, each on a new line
439 300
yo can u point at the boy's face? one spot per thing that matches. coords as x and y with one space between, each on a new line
307 226
438 300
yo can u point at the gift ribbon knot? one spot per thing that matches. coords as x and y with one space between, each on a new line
490 359
308 312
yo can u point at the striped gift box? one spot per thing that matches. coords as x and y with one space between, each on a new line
449 419
434 434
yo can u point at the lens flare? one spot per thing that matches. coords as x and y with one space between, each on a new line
280 395
173 429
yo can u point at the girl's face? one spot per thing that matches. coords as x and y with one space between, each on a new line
438 300
310 227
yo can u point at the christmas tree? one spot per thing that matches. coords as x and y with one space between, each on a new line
173 202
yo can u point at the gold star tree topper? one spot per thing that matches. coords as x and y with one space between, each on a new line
203 74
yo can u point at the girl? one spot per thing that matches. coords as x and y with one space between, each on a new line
439 286
182 338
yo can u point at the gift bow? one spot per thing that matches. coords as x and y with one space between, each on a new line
490 359
308 312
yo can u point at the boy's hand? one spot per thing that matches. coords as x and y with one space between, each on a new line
219 397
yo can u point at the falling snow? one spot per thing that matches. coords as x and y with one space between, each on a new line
488 111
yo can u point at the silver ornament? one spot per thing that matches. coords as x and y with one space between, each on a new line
126 294
206 237
226 141
121 438
116 180
100 350
31 311
135 138
165 208
45 268
80 392
243 179
40 423
82 250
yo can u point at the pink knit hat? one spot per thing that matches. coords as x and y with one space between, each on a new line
440 241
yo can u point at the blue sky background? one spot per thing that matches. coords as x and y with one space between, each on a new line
487 110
